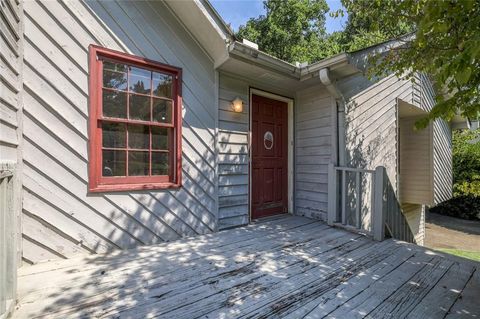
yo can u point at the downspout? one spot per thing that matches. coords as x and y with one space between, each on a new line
325 78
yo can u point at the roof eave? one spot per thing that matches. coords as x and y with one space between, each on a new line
333 63
240 50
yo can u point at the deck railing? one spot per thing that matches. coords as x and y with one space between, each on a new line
364 200
8 271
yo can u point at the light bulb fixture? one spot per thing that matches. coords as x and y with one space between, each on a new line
237 105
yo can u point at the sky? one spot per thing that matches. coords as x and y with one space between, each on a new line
237 12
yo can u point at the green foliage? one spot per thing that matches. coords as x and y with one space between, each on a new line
445 44
360 34
465 207
466 177
292 30
471 188
466 163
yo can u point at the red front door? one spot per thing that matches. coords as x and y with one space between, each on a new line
269 157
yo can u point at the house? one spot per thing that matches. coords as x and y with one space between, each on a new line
136 123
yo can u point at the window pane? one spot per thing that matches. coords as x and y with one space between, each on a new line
139 107
113 135
114 104
138 136
140 80
160 165
159 138
162 111
162 85
138 163
114 75
113 163
113 66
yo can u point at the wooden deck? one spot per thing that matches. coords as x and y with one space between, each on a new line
288 267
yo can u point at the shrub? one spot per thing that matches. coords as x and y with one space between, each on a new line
466 163
466 207
466 177
467 188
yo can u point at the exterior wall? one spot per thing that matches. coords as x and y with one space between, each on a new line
233 156
372 134
60 218
10 79
371 125
314 138
442 161
424 97
11 104
416 158
371 122
415 215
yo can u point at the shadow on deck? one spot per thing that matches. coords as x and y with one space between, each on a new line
289 267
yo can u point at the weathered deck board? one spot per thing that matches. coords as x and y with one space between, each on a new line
468 306
165 272
288 267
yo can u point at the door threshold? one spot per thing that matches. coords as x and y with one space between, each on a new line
269 218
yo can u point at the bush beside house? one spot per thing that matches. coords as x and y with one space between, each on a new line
466 177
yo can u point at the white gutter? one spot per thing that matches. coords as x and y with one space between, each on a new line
243 51
324 75
332 63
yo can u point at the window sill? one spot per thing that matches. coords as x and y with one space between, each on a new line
133 187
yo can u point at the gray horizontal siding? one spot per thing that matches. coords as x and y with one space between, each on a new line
371 128
11 73
415 163
10 79
371 122
415 215
233 153
60 218
313 151
424 96
442 144
442 161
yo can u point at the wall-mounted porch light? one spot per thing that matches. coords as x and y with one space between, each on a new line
237 105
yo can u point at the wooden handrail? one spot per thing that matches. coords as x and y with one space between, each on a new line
382 205
352 169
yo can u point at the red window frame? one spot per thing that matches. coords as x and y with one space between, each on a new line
100 183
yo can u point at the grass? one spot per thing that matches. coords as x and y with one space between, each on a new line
473 255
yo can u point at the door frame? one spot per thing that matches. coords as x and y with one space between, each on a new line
290 142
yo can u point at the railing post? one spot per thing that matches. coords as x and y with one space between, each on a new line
358 200
3 245
8 269
332 195
378 214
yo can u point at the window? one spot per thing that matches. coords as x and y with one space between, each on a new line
135 122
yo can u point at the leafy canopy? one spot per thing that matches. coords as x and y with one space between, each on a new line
445 45
445 42
292 30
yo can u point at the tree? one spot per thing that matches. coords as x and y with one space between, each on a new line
292 30
444 44
358 35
